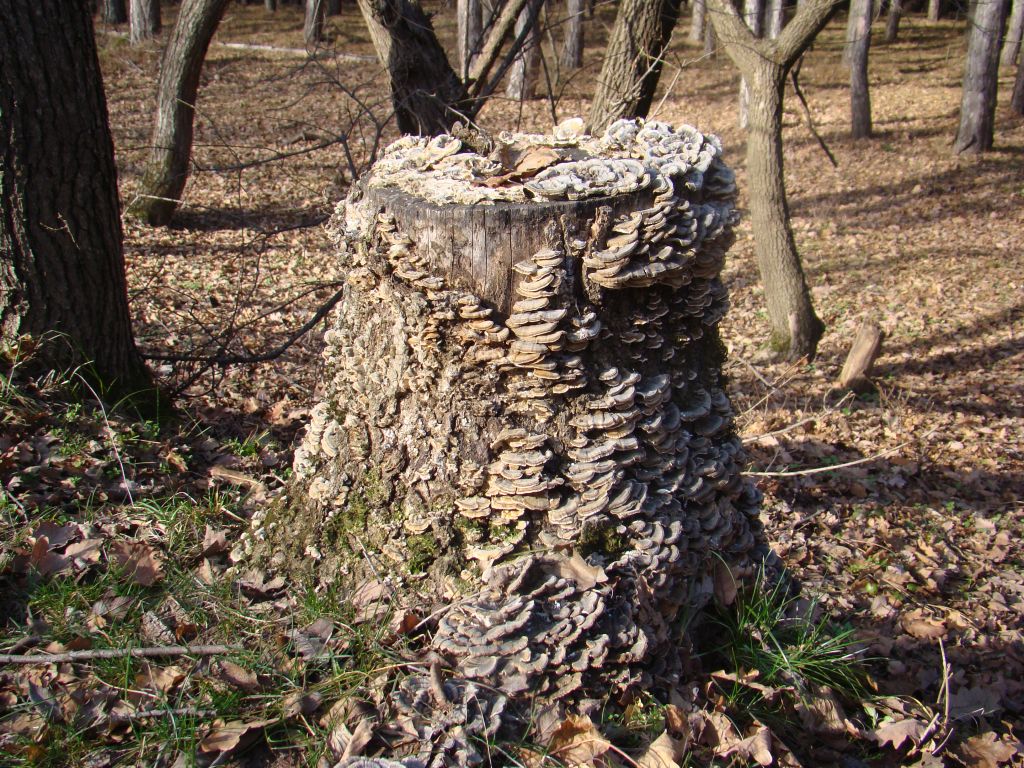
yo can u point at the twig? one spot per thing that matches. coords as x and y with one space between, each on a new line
129 717
162 651
784 430
833 467
794 77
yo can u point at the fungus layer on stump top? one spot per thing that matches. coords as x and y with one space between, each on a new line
523 419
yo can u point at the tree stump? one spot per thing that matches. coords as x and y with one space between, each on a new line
523 427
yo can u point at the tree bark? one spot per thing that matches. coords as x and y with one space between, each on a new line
1017 98
860 95
115 12
856 373
633 60
572 46
796 328
313 24
892 22
710 38
776 17
470 31
934 10
1014 34
428 96
270 5
697 16
753 12
522 75
177 88
524 422
145 21
61 261
981 76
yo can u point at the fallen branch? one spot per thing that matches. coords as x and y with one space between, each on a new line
163 651
130 717
794 77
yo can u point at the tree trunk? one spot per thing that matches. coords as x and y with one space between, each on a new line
333 7
1017 98
934 10
427 94
167 171
270 5
522 75
698 12
796 328
710 39
470 29
145 21
313 24
1014 34
633 60
115 12
892 22
776 17
753 12
524 429
61 262
981 75
572 47
860 95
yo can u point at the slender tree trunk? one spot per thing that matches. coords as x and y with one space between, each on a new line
522 75
572 47
710 39
633 60
892 22
115 12
860 96
934 10
1014 34
470 29
61 262
981 74
427 94
796 328
753 12
776 17
145 21
177 88
1017 99
270 5
698 13
313 26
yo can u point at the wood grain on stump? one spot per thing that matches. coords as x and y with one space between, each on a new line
523 426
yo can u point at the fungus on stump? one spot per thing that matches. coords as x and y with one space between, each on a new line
524 418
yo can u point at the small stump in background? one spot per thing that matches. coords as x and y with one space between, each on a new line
522 426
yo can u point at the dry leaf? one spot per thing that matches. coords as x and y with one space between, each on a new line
214 542
358 739
725 583
664 752
238 676
918 625
974 702
757 747
228 736
587 576
577 742
899 732
139 560
986 751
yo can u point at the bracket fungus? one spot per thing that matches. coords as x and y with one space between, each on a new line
523 420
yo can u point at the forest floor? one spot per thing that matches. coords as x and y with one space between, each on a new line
899 511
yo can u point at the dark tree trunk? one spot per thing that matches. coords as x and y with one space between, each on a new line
333 7
313 26
61 262
177 88
892 22
470 29
697 16
145 20
1014 34
428 96
934 10
572 47
981 75
115 11
633 60
796 329
1017 99
522 75
860 95
270 5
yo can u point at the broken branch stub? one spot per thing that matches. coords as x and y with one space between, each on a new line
523 416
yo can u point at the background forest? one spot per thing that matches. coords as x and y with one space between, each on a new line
897 508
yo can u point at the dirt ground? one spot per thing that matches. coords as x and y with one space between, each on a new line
900 509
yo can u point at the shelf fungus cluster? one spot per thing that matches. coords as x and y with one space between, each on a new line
522 422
